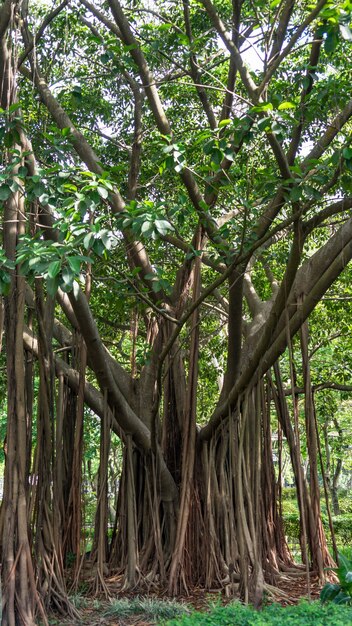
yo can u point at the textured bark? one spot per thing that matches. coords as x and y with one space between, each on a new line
318 546
19 595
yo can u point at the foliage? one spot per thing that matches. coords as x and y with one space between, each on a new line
342 527
345 500
341 592
303 614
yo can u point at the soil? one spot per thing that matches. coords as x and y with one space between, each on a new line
290 589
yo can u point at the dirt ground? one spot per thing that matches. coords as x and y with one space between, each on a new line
290 589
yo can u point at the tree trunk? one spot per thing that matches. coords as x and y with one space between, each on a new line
19 594
318 546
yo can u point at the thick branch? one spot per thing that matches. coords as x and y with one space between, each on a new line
280 34
329 135
316 280
333 209
320 387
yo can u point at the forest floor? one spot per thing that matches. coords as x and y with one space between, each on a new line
99 611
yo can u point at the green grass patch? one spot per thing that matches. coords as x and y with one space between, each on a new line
304 614
150 608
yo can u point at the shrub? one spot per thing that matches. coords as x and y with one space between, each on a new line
342 526
304 614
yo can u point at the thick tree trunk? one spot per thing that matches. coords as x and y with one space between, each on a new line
19 594
19 591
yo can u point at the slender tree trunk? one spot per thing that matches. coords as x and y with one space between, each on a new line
319 550
334 486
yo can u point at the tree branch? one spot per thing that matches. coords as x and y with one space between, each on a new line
313 289
300 30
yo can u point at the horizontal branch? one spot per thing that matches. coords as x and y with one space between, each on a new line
320 387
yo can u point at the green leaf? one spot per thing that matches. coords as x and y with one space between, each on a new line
146 227
229 154
74 263
216 156
329 592
155 286
224 123
11 138
14 107
103 192
347 153
331 41
286 105
106 57
5 283
163 226
68 278
342 598
131 46
88 240
39 189
34 262
107 239
264 124
295 194
52 285
5 192
344 564
260 108
4 288
22 171
54 269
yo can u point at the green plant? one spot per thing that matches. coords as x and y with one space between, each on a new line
342 527
79 601
150 608
341 592
119 608
303 614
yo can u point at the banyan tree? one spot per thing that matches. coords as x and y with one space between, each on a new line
176 195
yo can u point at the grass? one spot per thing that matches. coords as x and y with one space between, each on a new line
79 601
303 614
151 608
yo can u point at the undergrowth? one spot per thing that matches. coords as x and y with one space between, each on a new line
303 614
150 608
